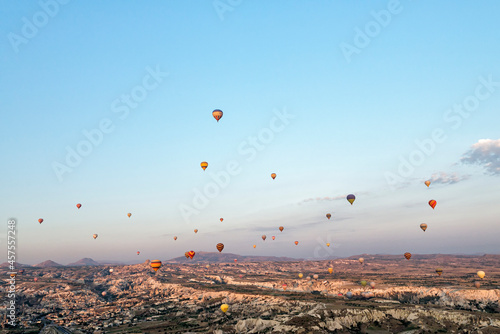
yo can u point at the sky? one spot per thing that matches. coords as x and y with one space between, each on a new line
109 104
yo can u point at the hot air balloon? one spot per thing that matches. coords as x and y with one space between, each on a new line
363 283
40 220
315 276
477 284
273 175
221 220
254 246
21 271
204 165
138 252
175 238
296 242
191 254
186 255
407 255
348 294
327 244
129 214
220 247
217 114
111 270
372 285
351 198
224 308
155 264
235 260
308 278
427 183
281 228
330 270
78 205
273 237
95 236
195 230
264 237
104 293
301 275
481 274
35 279
284 287
328 215
13 275
439 271
432 203
423 226
361 260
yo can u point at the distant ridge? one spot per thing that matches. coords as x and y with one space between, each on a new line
48 264
228 257
16 264
85 262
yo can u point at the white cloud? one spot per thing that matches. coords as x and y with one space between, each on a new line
486 152
444 178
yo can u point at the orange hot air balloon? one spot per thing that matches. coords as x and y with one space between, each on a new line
273 237
155 264
432 203
191 254
327 244
427 183
217 114
423 226
95 236
138 252
220 247
264 237
78 205
254 246
35 279
221 220
175 238
196 231
129 214
281 228
407 255
328 216
330 270
204 165
296 242
273 175
186 255
40 220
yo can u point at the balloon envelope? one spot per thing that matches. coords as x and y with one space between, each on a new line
296 242
330 270
191 254
301 275
220 247
348 294
204 165
94 236
224 307
427 183
40 220
129 214
363 283
264 237
423 226
351 198
254 246
481 274
439 271
273 237
155 264
175 238
217 114
407 255
432 203
281 228
327 244
273 175
78 205
328 216
221 219
361 260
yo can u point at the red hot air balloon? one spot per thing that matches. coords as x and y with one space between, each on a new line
221 220
296 242
138 252
407 255
40 220
191 254
78 205
235 260
220 247
432 203
273 237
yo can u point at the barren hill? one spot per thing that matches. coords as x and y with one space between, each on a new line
228 257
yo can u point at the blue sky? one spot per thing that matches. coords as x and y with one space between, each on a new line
352 118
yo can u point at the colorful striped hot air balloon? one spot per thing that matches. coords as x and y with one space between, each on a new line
191 254
407 255
439 271
204 165
155 264
217 114
423 226
220 247
432 203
